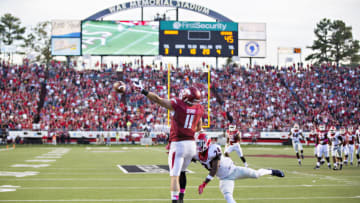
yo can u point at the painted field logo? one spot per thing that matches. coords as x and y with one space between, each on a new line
145 169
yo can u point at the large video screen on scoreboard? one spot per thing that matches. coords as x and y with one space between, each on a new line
138 38
180 38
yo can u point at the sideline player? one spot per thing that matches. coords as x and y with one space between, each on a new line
322 146
358 145
313 137
296 137
351 136
233 143
336 144
185 122
209 155
345 148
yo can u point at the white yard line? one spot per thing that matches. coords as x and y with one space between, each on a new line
190 186
166 200
2 150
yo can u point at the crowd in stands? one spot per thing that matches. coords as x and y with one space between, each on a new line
258 98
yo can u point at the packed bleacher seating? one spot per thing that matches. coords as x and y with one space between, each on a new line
258 98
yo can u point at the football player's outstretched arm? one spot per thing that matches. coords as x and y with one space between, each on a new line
152 96
162 102
212 172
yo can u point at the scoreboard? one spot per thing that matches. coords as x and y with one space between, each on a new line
184 38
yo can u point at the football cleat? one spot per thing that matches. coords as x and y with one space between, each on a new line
299 163
302 156
340 167
335 168
317 167
351 163
329 166
278 173
322 162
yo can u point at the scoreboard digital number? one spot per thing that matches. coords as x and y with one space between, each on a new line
206 39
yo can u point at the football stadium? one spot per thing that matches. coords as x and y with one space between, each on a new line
179 101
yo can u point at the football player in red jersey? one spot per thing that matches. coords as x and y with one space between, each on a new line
186 120
233 143
322 142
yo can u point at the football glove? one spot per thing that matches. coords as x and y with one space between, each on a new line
202 187
138 86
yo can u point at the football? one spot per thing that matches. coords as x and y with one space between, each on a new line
119 87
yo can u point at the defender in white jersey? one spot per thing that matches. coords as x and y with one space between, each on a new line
357 140
345 148
336 142
210 156
296 137
351 136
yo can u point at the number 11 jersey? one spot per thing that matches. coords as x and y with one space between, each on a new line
184 120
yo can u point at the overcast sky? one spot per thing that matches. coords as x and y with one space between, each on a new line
289 23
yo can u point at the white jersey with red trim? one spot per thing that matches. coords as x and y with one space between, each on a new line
296 135
351 137
336 140
357 136
226 165
345 138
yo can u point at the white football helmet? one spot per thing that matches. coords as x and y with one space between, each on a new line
342 130
296 127
332 130
232 127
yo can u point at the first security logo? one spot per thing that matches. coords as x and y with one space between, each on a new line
252 48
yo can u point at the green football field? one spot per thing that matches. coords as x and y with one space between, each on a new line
92 174
110 38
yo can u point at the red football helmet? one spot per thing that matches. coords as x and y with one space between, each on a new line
202 142
190 95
